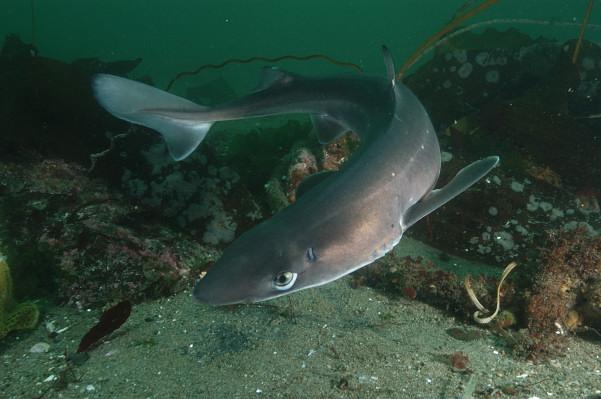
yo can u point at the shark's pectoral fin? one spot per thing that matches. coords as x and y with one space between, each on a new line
148 106
327 128
461 182
311 182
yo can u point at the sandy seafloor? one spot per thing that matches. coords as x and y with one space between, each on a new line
329 342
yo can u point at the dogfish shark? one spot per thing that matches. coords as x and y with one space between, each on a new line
341 221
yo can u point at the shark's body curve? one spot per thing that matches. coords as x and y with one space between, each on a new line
342 220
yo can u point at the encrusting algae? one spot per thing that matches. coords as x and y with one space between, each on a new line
13 316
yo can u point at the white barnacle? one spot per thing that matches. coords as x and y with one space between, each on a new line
460 55
465 70
482 58
492 76
588 63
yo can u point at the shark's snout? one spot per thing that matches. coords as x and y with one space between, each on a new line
199 293
205 293
206 290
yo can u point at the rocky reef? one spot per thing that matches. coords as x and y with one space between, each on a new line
71 237
544 304
525 100
46 104
537 115
565 297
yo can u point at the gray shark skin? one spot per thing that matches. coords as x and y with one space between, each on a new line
341 220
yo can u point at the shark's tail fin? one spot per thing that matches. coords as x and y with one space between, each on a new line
145 105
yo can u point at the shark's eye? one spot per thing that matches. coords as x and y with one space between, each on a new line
311 256
284 280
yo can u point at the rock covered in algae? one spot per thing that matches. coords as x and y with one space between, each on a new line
523 99
565 293
13 316
74 238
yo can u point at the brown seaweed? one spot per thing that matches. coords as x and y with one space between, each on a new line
110 320
264 59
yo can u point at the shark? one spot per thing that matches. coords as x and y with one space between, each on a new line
342 220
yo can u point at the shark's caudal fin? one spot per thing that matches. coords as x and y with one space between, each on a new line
463 180
145 105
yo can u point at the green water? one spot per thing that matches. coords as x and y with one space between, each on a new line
177 35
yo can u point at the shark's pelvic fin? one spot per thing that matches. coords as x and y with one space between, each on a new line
464 179
145 105
327 128
390 69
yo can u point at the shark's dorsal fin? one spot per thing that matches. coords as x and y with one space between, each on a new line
463 180
327 128
311 182
272 75
389 62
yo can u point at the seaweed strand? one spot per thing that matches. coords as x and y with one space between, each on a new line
455 22
265 59
501 21
587 15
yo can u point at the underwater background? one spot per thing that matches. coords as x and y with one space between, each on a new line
178 35
102 235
